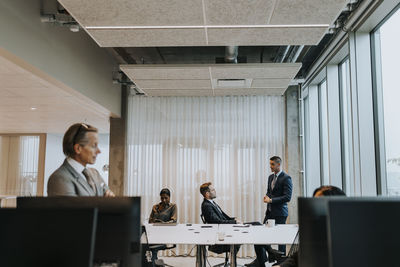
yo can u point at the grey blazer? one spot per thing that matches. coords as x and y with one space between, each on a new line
66 181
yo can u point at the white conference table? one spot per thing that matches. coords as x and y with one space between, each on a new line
233 234
207 234
185 234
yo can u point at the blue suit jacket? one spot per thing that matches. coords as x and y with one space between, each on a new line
280 195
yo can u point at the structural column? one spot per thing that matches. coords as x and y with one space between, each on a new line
293 161
118 146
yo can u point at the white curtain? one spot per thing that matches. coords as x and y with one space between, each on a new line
19 157
182 142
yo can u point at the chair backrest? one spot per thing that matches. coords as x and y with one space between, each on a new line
202 218
295 246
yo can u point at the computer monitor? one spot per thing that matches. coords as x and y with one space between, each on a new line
47 238
118 228
364 232
313 243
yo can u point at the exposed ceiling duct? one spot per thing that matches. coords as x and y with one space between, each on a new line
231 54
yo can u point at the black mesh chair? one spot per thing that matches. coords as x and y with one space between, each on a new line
219 249
153 249
293 252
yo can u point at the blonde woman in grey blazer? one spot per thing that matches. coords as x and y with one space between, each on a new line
73 178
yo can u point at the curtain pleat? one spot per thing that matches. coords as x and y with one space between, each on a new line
182 142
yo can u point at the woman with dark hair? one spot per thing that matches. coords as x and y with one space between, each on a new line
328 190
165 211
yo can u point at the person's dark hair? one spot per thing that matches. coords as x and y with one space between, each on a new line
76 134
276 159
204 188
165 191
329 190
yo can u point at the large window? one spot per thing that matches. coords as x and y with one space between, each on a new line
312 171
388 58
345 111
324 135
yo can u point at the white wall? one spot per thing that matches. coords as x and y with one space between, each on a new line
73 59
55 157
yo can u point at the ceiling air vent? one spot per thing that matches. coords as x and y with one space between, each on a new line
232 83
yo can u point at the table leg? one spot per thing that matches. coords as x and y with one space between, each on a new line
200 256
232 256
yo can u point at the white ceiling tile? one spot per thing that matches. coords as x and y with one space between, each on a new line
21 80
6 93
149 37
270 83
307 11
265 36
166 72
135 13
164 80
179 92
256 71
173 84
37 91
10 69
250 91
238 12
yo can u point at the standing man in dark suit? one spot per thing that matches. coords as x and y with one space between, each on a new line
73 178
279 193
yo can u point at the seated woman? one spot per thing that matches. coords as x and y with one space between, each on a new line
164 211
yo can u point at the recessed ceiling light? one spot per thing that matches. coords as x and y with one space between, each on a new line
33 108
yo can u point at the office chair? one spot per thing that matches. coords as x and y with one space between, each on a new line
155 262
293 251
219 249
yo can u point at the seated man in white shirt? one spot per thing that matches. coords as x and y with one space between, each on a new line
72 178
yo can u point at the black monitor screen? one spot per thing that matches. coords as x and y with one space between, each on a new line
47 238
118 229
313 246
364 232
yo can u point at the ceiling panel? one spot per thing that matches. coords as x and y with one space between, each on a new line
270 83
191 80
135 13
238 12
265 36
173 84
150 23
36 91
307 11
258 71
21 80
250 91
149 37
166 72
179 92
